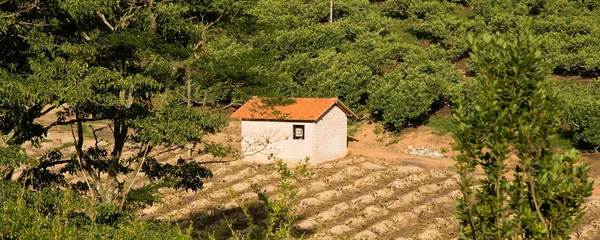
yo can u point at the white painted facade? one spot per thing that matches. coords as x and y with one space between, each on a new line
324 139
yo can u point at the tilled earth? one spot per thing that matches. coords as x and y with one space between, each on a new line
387 195
351 198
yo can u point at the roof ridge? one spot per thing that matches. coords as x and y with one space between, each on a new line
304 109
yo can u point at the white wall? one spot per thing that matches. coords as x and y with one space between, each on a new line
331 135
325 140
255 135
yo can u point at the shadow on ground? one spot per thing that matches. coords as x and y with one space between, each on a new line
220 222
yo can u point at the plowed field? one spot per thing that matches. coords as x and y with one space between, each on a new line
355 198
377 192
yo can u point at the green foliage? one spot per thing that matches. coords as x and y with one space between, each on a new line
280 217
102 60
353 129
406 95
563 139
178 125
567 28
391 142
54 214
515 112
581 104
12 157
442 125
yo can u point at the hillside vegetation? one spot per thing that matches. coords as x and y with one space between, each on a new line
128 78
399 60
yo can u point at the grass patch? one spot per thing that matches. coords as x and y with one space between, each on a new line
45 140
87 132
353 129
391 142
441 125
66 145
378 130
563 139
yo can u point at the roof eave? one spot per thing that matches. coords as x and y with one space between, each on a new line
346 109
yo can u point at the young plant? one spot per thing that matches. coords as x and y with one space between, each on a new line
513 112
280 217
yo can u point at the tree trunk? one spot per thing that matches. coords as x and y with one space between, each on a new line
119 135
152 17
130 180
330 11
189 85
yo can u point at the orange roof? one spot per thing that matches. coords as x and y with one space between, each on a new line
303 109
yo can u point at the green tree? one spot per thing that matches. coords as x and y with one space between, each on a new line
101 60
406 95
512 111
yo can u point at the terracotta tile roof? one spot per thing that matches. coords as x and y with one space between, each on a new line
304 109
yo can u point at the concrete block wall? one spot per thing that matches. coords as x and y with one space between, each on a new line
331 135
262 138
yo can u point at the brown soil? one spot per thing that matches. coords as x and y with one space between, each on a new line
377 192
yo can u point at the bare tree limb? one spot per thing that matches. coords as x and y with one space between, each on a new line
330 11
152 17
130 13
73 121
261 144
47 110
85 36
130 180
92 190
22 9
231 105
104 20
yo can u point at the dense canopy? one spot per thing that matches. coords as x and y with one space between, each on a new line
158 71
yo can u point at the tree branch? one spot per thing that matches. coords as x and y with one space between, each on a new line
536 205
42 165
127 16
152 17
74 121
85 36
47 110
130 180
85 168
104 20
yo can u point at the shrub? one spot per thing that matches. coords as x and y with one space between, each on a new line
55 214
514 112
406 95
581 104
278 208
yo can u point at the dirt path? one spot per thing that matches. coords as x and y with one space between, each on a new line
399 158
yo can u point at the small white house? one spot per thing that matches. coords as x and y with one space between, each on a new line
305 127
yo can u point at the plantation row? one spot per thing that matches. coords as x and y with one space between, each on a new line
399 60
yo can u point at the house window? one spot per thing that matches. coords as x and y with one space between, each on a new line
299 132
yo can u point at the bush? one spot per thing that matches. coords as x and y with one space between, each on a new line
581 106
514 112
55 214
406 96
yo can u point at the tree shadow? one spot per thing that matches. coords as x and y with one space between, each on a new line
219 222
